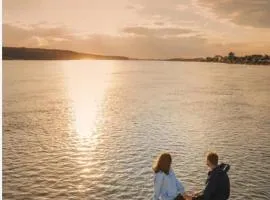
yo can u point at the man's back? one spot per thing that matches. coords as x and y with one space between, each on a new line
218 184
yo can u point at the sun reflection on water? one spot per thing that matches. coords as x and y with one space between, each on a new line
87 85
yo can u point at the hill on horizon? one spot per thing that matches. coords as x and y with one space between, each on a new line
23 53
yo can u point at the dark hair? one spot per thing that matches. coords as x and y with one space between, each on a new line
213 158
163 163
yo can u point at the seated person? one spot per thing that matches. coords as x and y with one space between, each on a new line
166 185
217 184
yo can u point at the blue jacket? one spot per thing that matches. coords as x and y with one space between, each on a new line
217 184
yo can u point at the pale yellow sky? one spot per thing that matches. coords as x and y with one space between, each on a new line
140 28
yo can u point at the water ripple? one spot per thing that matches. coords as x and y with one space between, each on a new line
141 109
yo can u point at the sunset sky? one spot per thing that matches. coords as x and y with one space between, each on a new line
140 28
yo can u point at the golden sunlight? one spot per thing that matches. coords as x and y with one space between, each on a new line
87 87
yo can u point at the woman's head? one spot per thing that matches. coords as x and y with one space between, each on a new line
163 163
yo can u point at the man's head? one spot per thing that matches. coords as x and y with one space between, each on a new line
212 160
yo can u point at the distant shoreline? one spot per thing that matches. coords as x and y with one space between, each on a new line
22 53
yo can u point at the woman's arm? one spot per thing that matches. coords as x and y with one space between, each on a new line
180 186
158 181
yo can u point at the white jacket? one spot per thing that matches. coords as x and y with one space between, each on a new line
167 187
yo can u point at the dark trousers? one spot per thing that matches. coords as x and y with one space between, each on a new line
199 197
179 197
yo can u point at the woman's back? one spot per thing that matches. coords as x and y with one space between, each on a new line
167 186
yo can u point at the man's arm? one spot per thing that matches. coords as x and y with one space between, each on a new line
210 188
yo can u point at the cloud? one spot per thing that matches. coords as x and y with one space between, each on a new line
158 32
159 23
33 35
182 7
146 47
134 7
151 45
170 11
242 12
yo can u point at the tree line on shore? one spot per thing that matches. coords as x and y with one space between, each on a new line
232 58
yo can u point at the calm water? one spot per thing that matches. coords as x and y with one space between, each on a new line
91 129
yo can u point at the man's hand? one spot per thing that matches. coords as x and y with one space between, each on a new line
187 197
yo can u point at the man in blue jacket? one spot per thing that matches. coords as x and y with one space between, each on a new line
218 183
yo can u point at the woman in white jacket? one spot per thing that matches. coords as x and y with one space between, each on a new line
166 185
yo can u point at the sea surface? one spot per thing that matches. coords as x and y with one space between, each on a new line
92 129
